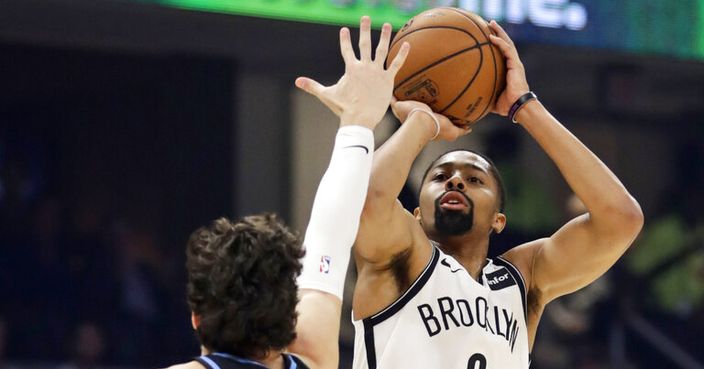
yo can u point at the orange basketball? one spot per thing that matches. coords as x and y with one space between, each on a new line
452 65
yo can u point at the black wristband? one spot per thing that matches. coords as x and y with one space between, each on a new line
528 96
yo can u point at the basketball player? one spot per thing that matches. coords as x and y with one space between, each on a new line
242 275
426 294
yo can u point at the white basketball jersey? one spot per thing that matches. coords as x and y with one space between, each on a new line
448 320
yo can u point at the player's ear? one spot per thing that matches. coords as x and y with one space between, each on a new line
499 223
195 321
416 213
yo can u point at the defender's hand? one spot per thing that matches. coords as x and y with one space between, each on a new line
516 83
363 93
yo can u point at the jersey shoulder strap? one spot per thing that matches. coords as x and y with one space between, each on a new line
294 362
517 277
219 360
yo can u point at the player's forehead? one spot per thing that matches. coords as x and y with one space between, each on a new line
462 159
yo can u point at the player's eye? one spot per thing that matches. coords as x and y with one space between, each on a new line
475 180
439 177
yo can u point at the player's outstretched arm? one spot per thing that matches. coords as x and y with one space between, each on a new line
386 227
361 98
586 247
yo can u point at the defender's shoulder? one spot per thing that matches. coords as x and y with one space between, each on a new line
189 365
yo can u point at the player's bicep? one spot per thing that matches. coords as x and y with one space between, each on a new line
317 329
572 258
383 233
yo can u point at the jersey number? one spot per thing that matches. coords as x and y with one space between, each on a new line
476 361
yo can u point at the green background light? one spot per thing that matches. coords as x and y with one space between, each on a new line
661 27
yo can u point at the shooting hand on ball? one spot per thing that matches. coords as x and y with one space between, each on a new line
516 83
363 93
448 131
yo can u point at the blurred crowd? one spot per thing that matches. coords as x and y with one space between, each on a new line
86 281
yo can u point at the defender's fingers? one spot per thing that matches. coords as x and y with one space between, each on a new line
400 58
365 39
383 48
346 46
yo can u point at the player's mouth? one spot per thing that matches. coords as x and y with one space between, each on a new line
454 200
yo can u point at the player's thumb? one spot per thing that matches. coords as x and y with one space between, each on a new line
310 86
396 108
316 89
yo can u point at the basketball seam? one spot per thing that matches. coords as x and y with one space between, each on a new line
493 57
432 27
439 61
471 81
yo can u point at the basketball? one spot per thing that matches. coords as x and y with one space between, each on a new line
452 65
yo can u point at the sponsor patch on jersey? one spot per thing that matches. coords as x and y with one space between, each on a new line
499 279
325 264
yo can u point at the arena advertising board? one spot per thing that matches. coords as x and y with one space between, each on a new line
663 27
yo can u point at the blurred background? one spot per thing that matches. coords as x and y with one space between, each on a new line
125 125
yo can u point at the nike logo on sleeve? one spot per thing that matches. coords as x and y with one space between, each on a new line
366 150
445 263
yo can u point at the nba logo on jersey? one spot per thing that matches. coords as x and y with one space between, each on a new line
325 264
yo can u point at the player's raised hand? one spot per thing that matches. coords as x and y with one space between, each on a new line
448 131
364 92
516 83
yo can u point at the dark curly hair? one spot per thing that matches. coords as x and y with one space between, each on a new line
242 284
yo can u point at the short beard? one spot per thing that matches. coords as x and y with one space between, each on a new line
454 223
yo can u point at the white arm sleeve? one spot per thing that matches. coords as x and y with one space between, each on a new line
334 220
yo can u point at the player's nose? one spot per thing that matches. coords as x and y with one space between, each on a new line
455 183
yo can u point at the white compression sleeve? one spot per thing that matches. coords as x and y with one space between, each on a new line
334 220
